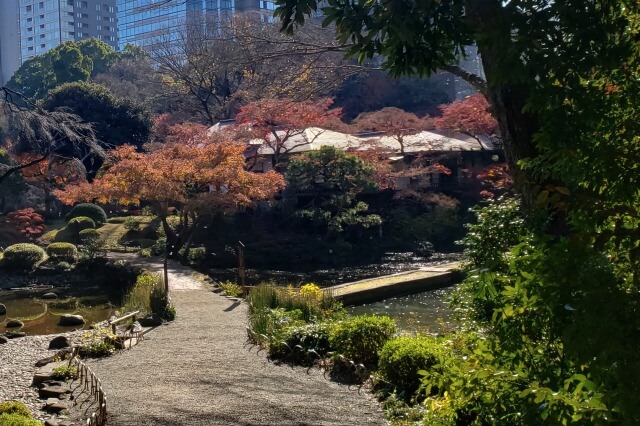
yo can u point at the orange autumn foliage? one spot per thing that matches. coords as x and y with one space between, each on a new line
195 169
28 222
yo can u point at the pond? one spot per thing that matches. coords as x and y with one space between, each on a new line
391 263
424 313
42 316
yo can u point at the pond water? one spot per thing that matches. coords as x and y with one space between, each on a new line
423 313
42 316
391 263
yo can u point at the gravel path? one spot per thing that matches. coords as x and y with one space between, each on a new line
197 371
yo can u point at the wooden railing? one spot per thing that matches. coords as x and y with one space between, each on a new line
131 333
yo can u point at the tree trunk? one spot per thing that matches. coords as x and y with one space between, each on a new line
506 98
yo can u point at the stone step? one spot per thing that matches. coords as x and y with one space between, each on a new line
53 392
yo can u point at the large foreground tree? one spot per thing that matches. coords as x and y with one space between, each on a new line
559 311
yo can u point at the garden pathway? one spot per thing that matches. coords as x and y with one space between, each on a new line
198 371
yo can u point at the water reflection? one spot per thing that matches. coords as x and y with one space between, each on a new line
42 316
426 312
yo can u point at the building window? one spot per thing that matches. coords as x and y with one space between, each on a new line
41 5
29 9
42 46
98 7
30 39
30 48
42 26
29 19
99 27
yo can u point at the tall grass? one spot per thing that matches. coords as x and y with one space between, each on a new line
139 298
265 298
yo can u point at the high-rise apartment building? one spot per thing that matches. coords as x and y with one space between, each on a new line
44 24
9 40
144 22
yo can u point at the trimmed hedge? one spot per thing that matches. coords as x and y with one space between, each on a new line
88 234
95 212
62 251
80 223
17 420
23 256
401 359
361 338
14 407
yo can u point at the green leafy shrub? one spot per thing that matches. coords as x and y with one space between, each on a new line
196 255
362 337
401 358
80 223
161 305
62 251
132 223
231 289
17 420
23 256
97 349
92 211
302 344
65 372
14 407
118 277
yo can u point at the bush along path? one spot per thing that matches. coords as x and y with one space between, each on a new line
198 371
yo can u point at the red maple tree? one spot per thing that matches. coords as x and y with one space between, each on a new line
471 116
395 122
281 123
196 170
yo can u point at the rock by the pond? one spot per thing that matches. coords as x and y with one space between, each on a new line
15 334
69 319
14 323
150 321
3 339
59 342
49 296
3 309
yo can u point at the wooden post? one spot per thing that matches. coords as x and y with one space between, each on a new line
241 270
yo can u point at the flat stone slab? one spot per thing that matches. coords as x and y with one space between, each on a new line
53 392
380 288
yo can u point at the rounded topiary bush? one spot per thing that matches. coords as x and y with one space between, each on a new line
401 359
80 223
23 256
62 251
361 338
95 212
18 420
88 235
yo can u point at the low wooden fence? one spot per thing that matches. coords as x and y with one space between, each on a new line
91 384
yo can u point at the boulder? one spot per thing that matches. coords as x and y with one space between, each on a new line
69 320
3 309
59 342
14 323
3 340
15 334
150 321
49 296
